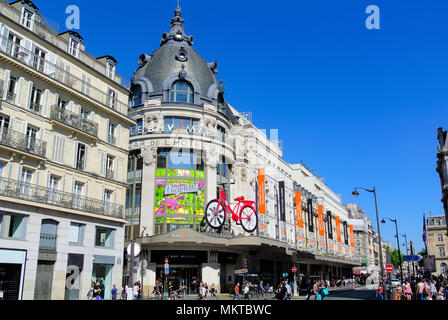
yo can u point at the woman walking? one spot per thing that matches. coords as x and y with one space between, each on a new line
408 290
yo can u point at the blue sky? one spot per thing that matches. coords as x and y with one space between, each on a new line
360 107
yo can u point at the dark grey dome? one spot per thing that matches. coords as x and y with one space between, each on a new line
166 63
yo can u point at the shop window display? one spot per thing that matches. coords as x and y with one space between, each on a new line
179 191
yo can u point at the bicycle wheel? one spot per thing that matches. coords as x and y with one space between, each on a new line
215 214
248 218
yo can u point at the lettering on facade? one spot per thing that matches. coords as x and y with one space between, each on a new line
176 190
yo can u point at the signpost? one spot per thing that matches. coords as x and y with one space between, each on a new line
167 272
294 269
412 258
389 268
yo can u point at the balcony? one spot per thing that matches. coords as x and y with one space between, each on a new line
111 139
30 192
35 107
22 142
54 71
47 242
74 120
80 165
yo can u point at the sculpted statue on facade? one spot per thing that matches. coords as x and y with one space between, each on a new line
149 155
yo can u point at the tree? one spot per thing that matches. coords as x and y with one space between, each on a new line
395 257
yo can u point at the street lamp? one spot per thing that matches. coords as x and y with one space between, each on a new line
407 250
398 243
355 193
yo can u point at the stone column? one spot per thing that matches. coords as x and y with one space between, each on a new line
211 160
149 156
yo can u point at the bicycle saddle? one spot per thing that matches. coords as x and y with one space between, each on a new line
239 199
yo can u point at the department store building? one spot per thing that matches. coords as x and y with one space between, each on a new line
189 139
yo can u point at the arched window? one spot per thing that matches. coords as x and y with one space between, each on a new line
181 91
136 96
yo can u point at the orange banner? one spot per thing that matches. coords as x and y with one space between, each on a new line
320 217
352 237
261 191
299 211
338 230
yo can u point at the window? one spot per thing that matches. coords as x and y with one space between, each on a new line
181 91
221 132
77 194
62 104
36 95
112 101
26 19
81 157
109 166
54 187
14 226
84 113
76 233
4 126
137 130
186 125
442 252
438 222
31 134
111 133
136 97
103 237
39 60
110 70
85 85
440 238
25 181
73 47
13 45
10 95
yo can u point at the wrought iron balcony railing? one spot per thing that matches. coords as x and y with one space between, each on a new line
22 142
35 107
54 71
73 120
109 173
47 242
30 192
111 139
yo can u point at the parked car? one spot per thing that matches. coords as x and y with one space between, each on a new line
394 282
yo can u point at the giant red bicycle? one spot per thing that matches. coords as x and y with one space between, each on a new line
243 212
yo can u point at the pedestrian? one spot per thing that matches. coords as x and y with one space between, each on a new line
421 290
427 290
114 292
379 292
445 291
204 291
316 290
96 291
213 291
288 291
408 290
237 291
102 289
246 292
309 289
433 290
90 293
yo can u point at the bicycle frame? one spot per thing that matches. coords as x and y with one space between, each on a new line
237 208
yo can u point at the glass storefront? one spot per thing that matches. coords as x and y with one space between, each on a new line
103 274
180 190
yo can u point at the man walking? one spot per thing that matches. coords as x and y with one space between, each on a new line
288 291
237 291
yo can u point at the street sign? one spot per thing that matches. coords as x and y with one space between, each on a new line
294 269
241 271
166 260
137 249
411 258
284 275
389 268
167 268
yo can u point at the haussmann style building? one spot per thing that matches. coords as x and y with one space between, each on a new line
64 138
189 139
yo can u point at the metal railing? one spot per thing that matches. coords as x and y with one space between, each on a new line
111 139
22 142
35 107
80 165
54 71
73 120
52 36
30 192
47 242
10 97
109 173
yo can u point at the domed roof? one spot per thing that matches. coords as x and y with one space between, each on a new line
164 63
176 59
